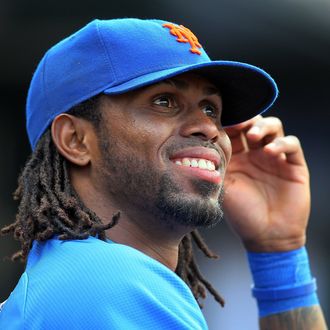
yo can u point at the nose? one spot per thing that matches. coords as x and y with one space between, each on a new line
198 124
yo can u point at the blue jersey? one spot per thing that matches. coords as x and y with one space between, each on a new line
92 284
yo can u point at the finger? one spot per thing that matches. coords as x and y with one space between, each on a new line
288 145
237 133
263 132
235 130
254 133
238 143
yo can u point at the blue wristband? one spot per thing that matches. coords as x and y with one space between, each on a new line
282 281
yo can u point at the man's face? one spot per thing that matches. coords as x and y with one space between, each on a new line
164 152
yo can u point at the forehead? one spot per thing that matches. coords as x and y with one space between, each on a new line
189 80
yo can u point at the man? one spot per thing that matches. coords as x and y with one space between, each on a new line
130 156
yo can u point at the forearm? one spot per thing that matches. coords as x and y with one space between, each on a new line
305 318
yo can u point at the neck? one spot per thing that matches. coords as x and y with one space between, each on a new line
159 245
139 230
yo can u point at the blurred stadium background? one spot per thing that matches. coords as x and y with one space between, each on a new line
288 38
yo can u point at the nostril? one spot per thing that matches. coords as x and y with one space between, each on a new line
214 139
200 135
205 138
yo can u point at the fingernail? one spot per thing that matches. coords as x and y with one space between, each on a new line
254 130
272 145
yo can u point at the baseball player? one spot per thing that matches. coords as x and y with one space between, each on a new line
138 139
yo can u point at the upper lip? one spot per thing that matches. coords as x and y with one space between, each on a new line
199 152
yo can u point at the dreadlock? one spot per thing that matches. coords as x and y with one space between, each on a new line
188 269
49 206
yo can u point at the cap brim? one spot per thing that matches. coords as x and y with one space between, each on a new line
246 90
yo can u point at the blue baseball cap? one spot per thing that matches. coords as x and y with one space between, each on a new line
120 55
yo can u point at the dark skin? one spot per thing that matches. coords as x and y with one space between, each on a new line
266 168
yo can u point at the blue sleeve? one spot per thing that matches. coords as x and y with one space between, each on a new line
93 284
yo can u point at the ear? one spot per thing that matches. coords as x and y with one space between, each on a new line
73 138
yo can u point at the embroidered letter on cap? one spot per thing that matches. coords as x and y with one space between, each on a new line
185 35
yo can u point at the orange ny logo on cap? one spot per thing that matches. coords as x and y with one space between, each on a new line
184 35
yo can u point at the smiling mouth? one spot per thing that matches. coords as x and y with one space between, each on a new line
199 168
201 163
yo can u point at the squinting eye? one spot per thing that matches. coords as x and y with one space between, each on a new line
210 111
165 101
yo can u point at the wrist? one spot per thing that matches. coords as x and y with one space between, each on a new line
282 281
271 245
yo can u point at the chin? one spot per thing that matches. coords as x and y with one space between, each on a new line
202 208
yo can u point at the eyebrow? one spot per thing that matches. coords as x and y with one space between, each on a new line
181 84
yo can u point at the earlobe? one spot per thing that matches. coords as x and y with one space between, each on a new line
70 136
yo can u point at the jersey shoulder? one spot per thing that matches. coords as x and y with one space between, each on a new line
107 283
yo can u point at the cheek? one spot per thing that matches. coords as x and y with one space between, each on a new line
141 138
226 146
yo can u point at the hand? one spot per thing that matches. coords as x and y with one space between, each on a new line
267 199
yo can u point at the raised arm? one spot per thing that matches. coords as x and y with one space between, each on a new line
267 203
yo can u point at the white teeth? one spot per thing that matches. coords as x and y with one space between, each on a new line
202 164
185 162
194 163
210 166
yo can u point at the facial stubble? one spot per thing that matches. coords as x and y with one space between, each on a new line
157 193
